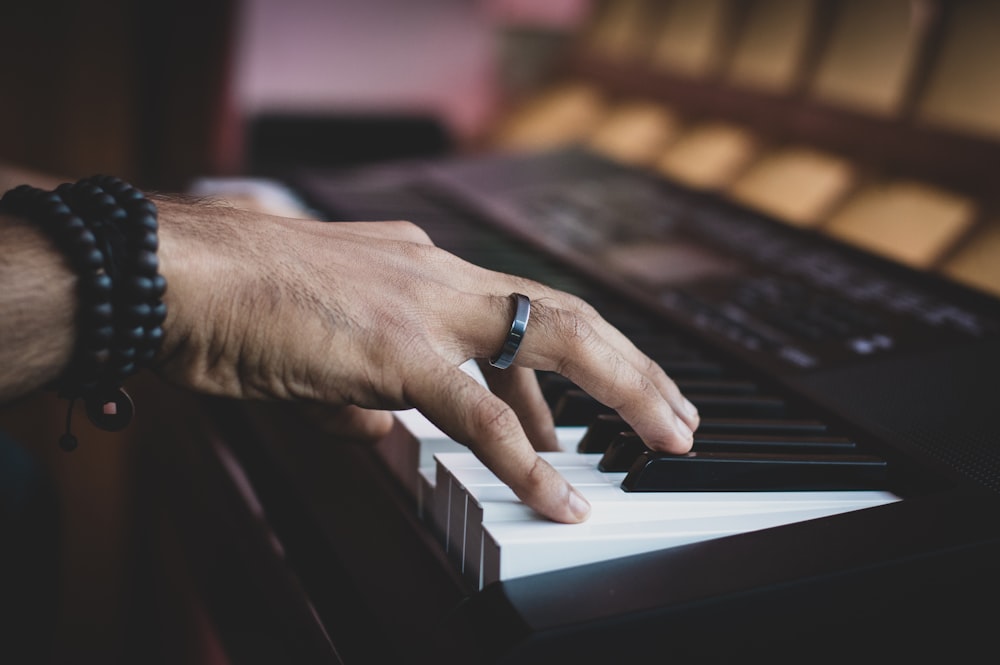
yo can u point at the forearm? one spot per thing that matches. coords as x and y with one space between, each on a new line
37 309
38 288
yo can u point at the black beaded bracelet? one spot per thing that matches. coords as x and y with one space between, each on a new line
127 226
108 231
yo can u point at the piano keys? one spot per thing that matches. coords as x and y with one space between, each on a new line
491 536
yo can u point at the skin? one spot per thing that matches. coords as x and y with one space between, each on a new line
353 319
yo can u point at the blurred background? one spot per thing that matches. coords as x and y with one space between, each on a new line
167 94
876 122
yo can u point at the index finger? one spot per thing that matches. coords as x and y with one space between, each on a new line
469 413
577 346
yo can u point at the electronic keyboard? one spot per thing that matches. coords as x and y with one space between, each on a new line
841 499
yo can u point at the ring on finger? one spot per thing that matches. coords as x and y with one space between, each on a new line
515 336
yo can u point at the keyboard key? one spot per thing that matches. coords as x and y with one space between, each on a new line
760 406
734 472
600 433
622 453
626 447
576 408
762 426
773 444
717 386
603 429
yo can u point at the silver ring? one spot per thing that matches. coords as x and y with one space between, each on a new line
516 335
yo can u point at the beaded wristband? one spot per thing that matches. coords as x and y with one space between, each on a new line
108 231
126 225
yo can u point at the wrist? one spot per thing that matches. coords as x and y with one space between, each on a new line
201 257
39 326
106 232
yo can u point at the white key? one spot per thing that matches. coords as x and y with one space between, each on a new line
434 507
490 535
458 507
484 514
431 440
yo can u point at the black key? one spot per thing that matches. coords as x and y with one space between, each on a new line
576 408
753 443
553 387
761 426
665 353
622 453
681 369
601 432
717 386
738 472
736 406
626 447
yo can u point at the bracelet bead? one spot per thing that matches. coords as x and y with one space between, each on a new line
107 230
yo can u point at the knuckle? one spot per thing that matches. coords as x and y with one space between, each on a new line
493 419
632 388
574 329
537 476
408 231
584 308
577 306
652 369
416 234
573 336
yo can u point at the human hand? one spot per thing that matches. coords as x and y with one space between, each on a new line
372 315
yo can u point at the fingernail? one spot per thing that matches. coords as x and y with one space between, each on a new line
579 506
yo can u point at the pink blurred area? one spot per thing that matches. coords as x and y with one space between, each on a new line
440 57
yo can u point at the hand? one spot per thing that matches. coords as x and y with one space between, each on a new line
373 315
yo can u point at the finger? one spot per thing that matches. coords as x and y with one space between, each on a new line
543 296
518 387
681 406
572 341
470 414
649 368
573 346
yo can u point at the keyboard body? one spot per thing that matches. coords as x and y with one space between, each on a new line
903 363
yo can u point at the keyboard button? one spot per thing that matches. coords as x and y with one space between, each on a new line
622 453
576 408
773 444
601 432
626 447
717 386
761 406
762 426
735 472
553 387
680 369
